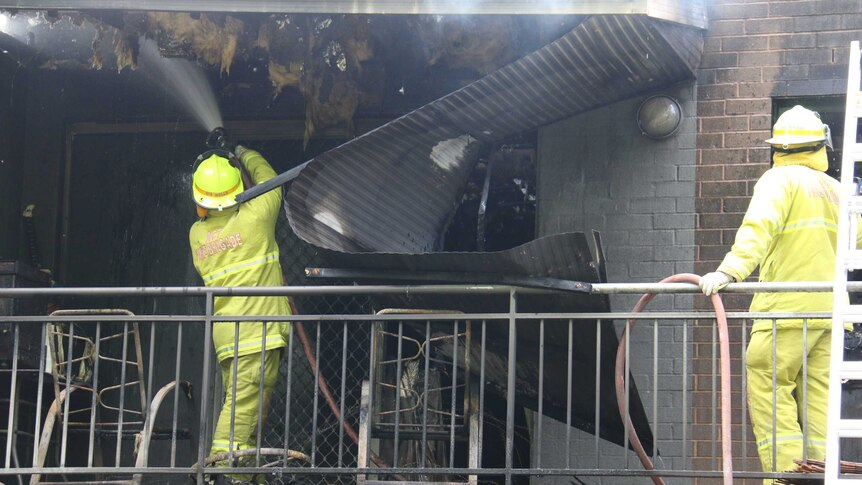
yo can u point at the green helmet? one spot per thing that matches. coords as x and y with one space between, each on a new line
216 183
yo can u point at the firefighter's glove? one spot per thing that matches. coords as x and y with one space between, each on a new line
710 283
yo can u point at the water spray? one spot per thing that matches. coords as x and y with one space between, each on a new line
184 81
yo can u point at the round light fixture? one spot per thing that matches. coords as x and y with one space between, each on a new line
659 116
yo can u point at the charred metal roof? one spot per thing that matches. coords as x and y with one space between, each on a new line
395 188
560 256
689 12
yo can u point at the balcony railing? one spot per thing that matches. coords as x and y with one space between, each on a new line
374 395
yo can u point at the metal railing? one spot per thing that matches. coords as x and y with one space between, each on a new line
392 396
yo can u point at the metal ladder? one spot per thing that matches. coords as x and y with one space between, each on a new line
847 258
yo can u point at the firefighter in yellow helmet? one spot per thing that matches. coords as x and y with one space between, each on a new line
235 245
789 230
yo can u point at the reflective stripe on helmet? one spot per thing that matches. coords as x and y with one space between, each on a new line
219 194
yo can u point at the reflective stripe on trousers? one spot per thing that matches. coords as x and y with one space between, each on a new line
247 391
789 381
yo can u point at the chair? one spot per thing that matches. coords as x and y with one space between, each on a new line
77 363
419 368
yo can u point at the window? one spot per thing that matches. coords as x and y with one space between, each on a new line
831 109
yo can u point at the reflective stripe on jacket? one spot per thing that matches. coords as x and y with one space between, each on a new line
789 229
236 247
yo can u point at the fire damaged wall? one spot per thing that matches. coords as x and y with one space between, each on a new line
11 162
596 171
116 201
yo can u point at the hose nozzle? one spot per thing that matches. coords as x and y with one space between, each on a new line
218 139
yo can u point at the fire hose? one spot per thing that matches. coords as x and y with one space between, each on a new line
327 394
724 350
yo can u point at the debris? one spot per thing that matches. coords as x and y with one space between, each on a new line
179 34
818 466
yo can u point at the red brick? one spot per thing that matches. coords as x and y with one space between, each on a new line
709 221
743 140
748 106
711 253
755 90
738 74
721 189
710 157
735 204
710 108
702 267
710 140
748 171
760 122
716 91
728 236
710 173
787 73
707 236
760 154
724 123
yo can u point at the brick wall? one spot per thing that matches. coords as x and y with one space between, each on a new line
596 171
753 52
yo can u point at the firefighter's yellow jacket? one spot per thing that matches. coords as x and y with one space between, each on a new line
790 230
236 247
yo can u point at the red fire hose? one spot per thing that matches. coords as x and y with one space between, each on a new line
724 350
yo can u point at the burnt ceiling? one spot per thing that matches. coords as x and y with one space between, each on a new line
465 82
338 64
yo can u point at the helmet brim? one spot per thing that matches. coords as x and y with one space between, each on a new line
783 140
216 203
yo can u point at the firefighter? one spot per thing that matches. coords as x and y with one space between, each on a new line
789 230
235 245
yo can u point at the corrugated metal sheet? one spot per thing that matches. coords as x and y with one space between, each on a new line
383 200
565 256
395 189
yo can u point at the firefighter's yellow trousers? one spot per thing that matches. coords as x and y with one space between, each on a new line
247 392
790 400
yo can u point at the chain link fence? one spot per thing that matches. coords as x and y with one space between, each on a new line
342 351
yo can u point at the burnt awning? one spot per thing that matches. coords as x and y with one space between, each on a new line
394 189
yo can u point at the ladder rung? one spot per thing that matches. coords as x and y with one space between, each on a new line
856 151
853 260
855 203
851 370
850 428
852 313
856 98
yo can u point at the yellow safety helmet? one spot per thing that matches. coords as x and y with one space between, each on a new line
800 129
216 182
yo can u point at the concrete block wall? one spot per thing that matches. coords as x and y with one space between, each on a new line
754 51
596 171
